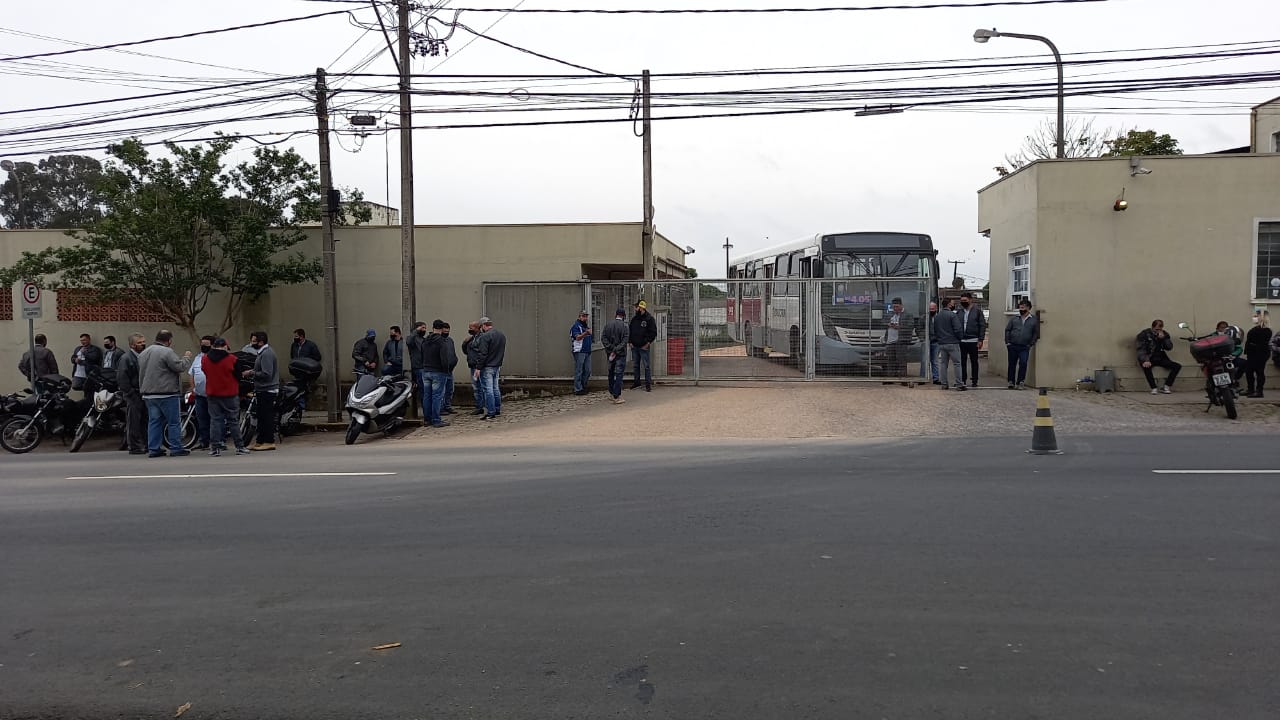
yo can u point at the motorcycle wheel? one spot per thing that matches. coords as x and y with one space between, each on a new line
353 432
1229 402
82 433
248 426
20 435
189 431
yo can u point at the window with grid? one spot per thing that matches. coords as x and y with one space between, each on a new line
1019 277
1267 250
87 306
6 304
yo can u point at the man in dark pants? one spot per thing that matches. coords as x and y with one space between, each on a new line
202 399
490 347
435 361
86 358
135 408
973 328
1020 335
266 386
897 338
365 352
616 333
1154 345
451 352
641 334
468 350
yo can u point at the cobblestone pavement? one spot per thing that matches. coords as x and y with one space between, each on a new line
828 410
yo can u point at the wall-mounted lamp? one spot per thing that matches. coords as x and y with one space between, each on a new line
1121 204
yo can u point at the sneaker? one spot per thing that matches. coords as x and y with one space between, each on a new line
1166 390
1155 391
490 417
155 454
448 411
1011 386
961 388
215 452
973 384
263 447
477 411
648 388
137 452
442 423
1021 386
179 453
618 401
242 451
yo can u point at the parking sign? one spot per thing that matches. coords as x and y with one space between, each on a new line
32 302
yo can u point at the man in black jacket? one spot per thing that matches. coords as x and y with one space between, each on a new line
641 334
302 347
365 352
435 361
416 348
135 407
468 351
973 328
85 360
490 349
452 353
1154 345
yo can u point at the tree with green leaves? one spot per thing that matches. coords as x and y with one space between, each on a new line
178 230
60 191
1142 142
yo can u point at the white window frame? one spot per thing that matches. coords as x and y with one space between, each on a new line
1011 295
1253 269
1275 141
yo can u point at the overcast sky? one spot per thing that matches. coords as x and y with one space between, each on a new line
754 180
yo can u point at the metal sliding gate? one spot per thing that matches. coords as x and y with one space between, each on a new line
871 329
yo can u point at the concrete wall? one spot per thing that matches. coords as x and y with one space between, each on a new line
1183 251
1266 123
1007 211
452 264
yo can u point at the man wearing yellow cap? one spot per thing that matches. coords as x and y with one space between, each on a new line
643 331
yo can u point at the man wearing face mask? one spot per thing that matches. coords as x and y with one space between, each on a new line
973 327
393 353
135 408
202 399
451 353
468 345
435 360
417 346
1020 335
266 386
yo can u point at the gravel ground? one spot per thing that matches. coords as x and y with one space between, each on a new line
822 410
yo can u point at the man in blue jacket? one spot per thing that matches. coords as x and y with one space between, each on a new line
580 344
1020 335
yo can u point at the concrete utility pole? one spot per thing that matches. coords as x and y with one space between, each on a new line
727 246
955 269
646 238
328 250
408 263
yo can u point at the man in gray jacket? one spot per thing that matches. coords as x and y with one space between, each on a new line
616 334
1020 335
946 337
490 348
266 388
160 382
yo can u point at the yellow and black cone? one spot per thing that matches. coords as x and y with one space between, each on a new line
1043 441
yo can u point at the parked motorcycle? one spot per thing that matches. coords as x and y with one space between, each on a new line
290 401
187 425
377 404
54 414
106 412
1215 354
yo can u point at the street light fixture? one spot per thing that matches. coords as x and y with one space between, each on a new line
982 35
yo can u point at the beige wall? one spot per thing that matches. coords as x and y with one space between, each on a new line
452 263
1266 123
1184 250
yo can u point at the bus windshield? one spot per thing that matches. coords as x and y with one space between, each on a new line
887 264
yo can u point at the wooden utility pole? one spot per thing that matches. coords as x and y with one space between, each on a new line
328 250
955 269
646 238
408 263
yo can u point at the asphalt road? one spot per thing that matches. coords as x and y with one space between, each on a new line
889 579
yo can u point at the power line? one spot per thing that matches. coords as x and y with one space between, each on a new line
747 11
183 36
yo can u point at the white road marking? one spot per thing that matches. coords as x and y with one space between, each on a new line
1216 472
227 475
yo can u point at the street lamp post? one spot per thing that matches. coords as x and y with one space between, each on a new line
981 36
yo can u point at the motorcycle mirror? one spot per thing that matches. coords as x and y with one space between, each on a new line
1184 326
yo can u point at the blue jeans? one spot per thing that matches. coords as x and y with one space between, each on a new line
581 370
640 356
617 371
489 378
202 420
1019 355
448 391
163 416
433 396
477 390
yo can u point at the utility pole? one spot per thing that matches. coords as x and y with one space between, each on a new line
727 246
327 249
408 263
646 238
955 270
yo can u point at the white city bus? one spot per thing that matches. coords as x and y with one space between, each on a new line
766 314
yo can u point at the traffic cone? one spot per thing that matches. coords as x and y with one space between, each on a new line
1043 441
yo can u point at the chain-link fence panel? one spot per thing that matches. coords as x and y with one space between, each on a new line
673 307
871 328
753 329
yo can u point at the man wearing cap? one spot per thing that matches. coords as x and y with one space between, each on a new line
365 353
490 348
580 346
435 361
615 345
641 334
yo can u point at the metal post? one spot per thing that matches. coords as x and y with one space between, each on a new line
646 238
408 264
328 249
697 331
31 346
727 246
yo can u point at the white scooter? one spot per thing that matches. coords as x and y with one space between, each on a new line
377 404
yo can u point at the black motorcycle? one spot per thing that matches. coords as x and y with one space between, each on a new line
290 401
54 414
1216 356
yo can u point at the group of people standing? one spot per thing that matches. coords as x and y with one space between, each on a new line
956 334
619 336
432 358
1256 347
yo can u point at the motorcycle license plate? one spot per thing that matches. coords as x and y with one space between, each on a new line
1222 379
